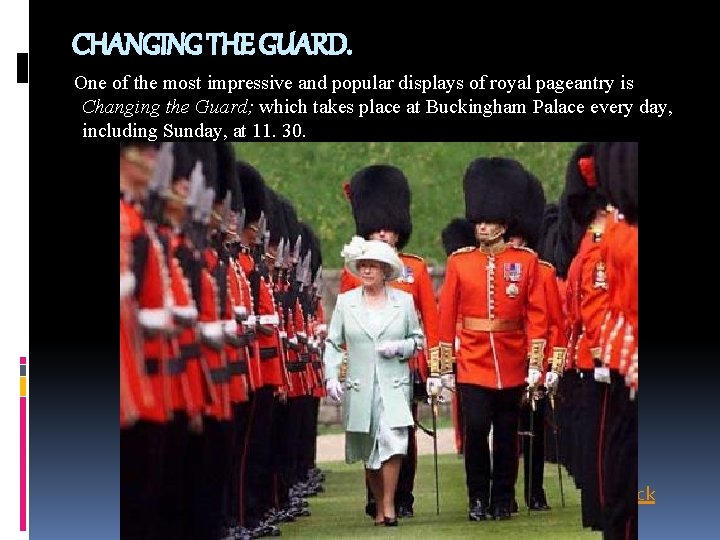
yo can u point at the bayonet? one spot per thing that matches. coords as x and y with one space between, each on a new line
241 221
162 175
286 254
197 181
296 251
227 212
280 254
262 225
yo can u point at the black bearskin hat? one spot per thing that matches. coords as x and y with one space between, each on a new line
549 233
623 175
314 244
380 199
253 191
583 194
531 217
459 233
183 161
292 224
569 236
227 179
275 216
491 187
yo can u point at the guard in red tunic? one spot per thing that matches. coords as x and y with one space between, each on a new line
141 464
617 168
257 487
458 234
588 296
496 293
531 208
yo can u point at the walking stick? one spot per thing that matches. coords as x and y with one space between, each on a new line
531 440
435 454
557 449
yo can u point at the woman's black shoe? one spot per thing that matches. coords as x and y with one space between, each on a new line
391 522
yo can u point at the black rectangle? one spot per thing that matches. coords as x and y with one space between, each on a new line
22 67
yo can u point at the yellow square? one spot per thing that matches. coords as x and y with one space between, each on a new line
23 386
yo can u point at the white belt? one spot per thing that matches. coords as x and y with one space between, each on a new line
127 284
154 319
211 330
230 327
185 312
272 320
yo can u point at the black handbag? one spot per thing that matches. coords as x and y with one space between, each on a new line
419 388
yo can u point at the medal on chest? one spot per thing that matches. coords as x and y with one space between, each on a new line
600 281
513 274
407 275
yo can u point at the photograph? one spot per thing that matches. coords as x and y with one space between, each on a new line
321 338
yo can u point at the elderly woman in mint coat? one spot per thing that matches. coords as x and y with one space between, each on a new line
378 327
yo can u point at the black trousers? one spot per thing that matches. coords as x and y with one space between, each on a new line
258 460
308 437
233 506
142 449
567 403
209 496
620 463
284 435
406 479
483 408
592 403
538 447
290 443
175 481
316 414
194 475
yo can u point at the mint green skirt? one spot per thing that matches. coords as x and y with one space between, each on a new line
382 443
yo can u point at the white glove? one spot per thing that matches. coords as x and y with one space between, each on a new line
334 389
533 377
433 385
602 374
551 380
448 381
389 349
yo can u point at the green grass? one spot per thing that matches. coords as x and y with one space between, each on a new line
311 176
339 512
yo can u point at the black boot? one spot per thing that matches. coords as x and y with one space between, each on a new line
538 503
478 510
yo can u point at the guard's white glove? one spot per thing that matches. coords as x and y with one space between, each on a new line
334 389
433 385
533 377
392 349
602 374
321 331
448 381
551 381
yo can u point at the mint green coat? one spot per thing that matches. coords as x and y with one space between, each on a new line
348 328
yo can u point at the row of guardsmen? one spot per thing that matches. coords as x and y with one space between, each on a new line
221 339
567 273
